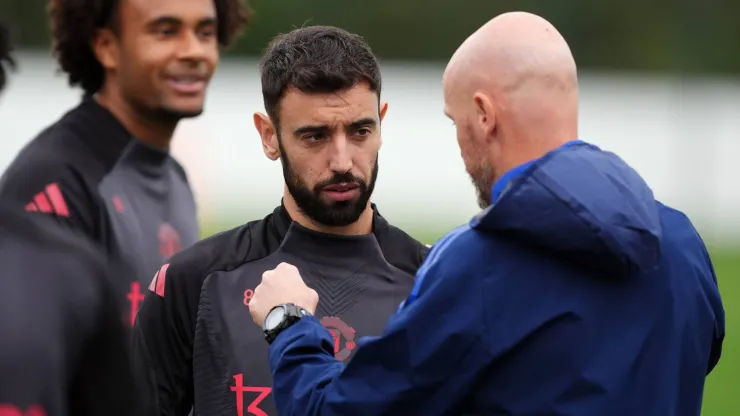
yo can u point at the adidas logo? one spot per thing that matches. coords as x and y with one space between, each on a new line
49 201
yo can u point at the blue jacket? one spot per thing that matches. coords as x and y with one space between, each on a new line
576 293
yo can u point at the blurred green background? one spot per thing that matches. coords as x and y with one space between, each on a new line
681 38
673 35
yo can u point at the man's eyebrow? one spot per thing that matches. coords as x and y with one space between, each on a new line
207 21
363 122
173 20
315 128
164 20
318 128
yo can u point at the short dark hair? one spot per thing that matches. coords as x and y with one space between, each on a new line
74 23
316 59
6 59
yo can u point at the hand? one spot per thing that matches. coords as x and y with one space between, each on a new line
283 284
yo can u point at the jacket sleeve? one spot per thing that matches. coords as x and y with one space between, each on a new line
53 188
424 363
163 339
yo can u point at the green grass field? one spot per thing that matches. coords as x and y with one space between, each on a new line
722 395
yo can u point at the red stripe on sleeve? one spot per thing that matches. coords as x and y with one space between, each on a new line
57 200
43 203
153 284
159 290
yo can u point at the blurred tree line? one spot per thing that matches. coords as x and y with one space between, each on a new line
681 36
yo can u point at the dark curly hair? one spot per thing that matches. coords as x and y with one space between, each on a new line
316 59
74 23
6 59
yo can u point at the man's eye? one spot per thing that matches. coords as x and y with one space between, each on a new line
207 34
314 137
364 132
166 31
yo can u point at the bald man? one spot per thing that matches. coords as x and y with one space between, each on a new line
574 292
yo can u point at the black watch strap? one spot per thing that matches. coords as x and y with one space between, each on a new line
291 314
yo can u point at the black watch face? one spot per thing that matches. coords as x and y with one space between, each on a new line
274 318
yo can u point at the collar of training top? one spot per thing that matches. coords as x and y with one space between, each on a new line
282 221
149 160
118 137
331 250
99 129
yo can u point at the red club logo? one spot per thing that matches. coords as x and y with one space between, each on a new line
340 331
169 241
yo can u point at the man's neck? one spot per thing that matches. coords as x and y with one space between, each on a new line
364 225
526 148
154 133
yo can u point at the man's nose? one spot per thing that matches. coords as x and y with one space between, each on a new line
341 155
192 48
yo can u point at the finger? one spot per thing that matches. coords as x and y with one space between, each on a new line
285 266
267 275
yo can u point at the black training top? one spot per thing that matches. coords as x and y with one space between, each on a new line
92 176
64 349
195 336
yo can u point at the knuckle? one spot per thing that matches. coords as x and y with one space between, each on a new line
286 266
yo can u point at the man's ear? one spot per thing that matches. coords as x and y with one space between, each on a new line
383 109
105 46
268 135
485 113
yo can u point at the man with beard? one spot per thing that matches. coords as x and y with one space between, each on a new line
104 170
574 292
321 89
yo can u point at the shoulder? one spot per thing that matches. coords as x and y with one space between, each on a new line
55 146
680 238
675 219
403 251
451 267
221 252
455 243
677 229
55 155
86 140
466 253
36 232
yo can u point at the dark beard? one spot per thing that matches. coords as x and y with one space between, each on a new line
334 214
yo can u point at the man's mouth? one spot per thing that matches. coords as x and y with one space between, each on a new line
341 191
187 84
341 187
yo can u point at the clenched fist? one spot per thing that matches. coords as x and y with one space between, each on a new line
283 284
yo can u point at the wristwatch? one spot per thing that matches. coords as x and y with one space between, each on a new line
281 317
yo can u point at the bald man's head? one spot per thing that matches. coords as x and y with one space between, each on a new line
511 88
